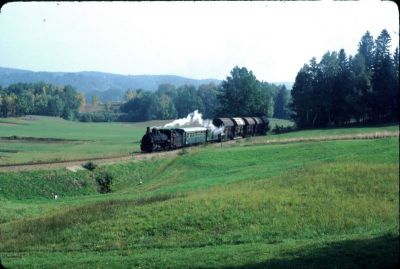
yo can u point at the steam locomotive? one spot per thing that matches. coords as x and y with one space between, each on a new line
222 129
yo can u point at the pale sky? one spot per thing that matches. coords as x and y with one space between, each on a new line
193 39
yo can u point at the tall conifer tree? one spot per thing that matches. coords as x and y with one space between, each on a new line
382 79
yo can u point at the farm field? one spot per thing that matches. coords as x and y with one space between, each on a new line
322 204
50 139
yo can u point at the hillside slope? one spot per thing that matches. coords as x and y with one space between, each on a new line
326 204
88 81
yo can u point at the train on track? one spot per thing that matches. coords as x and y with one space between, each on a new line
222 129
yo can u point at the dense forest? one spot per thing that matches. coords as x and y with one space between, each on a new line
343 89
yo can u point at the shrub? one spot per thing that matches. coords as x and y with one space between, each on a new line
85 117
104 180
90 166
280 129
102 116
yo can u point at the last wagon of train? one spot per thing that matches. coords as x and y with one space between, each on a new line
221 129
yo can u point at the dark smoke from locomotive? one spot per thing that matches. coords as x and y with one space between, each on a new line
221 129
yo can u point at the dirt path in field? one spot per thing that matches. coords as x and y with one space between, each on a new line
147 156
78 163
362 136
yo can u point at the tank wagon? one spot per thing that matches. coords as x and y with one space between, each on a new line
162 139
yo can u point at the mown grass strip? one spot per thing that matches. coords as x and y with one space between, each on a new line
372 135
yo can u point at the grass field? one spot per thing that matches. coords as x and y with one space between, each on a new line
79 140
36 139
325 204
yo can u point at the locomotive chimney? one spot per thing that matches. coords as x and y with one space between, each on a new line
148 130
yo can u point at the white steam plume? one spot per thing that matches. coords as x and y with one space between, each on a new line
209 125
195 117
191 118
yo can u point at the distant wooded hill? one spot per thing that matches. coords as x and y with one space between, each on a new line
96 82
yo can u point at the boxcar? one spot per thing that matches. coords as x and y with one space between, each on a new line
228 125
239 127
258 127
249 127
265 126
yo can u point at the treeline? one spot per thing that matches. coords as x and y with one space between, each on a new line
240 94
169 102
40 99
343 89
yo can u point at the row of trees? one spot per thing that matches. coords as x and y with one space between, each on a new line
40 99
240 95
343 89
169 102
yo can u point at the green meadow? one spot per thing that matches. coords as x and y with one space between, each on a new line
67 140
38 139
323 204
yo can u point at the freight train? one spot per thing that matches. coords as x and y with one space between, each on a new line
222 129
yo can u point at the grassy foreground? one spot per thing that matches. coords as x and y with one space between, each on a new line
330 204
